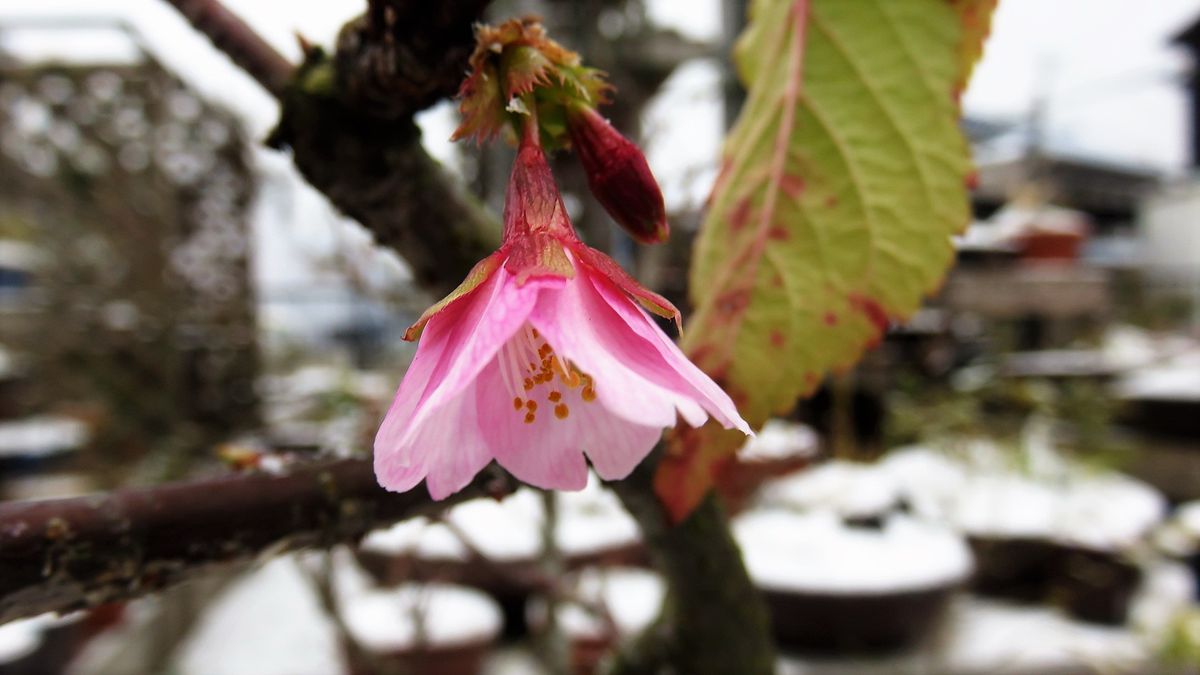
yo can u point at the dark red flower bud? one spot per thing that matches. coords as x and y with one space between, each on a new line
618 176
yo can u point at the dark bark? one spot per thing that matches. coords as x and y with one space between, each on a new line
376 171
348 121
714 620
403 56
64 554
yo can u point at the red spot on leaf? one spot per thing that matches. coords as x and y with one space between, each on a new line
810 379
831 319
831 201
740 215
777 280
778 233
732 303
972 180
778 339
791 185
871 309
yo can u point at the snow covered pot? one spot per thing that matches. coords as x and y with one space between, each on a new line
1059 534
540 356
835 588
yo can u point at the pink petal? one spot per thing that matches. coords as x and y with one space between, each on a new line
671 368
457 343
546 452
447 450
566 317
614 445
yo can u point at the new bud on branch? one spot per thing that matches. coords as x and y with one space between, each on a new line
618 176
543 358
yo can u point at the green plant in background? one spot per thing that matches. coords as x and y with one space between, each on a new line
1080 414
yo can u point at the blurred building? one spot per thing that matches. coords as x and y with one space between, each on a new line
133 192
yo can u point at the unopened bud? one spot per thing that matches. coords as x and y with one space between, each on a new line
618 176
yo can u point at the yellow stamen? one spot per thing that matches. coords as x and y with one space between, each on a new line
517 403
529 417
561 411
554 397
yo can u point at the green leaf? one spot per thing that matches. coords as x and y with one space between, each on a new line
841 185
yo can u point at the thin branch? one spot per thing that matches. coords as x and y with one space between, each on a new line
239 42
64 554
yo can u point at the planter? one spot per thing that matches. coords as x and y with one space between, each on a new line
1088 584
856 623
838 589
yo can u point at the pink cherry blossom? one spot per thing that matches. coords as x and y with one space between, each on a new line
542 357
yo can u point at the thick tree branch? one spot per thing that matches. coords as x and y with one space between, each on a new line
65 554
240 42
714 620
348 121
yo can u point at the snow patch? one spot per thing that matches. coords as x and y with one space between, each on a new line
815 552
778 440
508 530
631 597
846 488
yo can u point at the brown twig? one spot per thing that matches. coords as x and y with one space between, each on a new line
64 554
239 42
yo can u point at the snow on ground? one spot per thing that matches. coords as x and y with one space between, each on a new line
590 520
270 621
816 552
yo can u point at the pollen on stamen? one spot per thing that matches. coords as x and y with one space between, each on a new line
518 403
554 396
588 394
561 411
528 384
531 406
529 418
